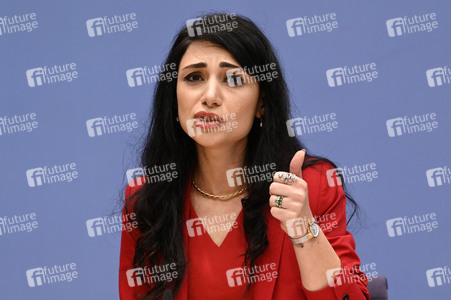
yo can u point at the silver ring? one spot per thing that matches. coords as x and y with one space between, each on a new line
289 177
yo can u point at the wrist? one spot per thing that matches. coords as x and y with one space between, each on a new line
313 231
299 227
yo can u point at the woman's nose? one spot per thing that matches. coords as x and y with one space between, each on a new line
212 93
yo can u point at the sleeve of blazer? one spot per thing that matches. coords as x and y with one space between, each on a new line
130 285
330 210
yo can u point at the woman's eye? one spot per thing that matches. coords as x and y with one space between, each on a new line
234 79
193 77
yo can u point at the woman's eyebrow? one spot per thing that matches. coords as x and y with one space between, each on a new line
204 65
224 64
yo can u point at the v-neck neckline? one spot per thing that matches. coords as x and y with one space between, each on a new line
191 208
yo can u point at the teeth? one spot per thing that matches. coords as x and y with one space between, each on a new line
207 119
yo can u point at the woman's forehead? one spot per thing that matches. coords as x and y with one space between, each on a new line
207 52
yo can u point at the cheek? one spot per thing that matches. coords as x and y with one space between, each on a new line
183 101
246 111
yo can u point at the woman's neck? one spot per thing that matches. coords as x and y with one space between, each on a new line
210 174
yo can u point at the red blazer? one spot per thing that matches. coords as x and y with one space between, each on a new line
324 199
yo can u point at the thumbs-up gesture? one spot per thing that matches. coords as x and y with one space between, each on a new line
289 195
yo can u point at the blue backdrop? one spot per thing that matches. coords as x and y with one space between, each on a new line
380 70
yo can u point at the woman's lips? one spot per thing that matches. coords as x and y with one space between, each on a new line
205 119
206 123
203 124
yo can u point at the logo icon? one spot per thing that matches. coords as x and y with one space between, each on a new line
194 27
135 77
435 77
435 177
235 177
335 77
95 27
331 274
35 77
395 27
333 177
435 277
395 127
35 177
296 227
135 277
294 27
135 177
235 277
193 130
95 127
195 227
233 78
95 227
395 227
294 126
35 277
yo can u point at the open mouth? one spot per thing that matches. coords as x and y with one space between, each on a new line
207 122
205 119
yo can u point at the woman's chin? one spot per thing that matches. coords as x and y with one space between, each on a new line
213 140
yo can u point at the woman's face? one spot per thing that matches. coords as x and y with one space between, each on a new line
213 110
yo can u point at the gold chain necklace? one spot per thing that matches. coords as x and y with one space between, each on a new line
221 196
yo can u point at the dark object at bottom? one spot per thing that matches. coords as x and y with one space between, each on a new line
378 288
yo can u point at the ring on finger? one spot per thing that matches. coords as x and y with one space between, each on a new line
278 201
289 178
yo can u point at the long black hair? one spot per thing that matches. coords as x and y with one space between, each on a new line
159 207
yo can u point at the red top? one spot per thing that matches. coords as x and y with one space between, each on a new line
207 261
210 264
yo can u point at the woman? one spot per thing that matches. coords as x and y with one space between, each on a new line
228 226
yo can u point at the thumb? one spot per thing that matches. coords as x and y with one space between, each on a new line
296 163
